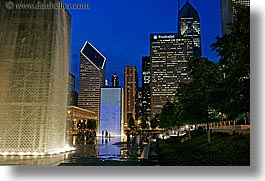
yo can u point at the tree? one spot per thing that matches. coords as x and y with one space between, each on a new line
168 115
197 99
155 121
234 52
144 124
91 124
131 124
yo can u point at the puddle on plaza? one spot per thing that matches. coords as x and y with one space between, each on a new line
100 149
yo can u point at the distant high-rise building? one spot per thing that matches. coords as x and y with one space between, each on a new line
146 78
139 104
34 64
227 12
169 56
189 27
130 92
111 111
72 94
91 77
115 80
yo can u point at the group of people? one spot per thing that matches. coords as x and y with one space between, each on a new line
105 133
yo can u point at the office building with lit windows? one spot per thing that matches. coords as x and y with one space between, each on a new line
145 93
227 12
189 27
169 54
130 92
91 77
72 94
34 63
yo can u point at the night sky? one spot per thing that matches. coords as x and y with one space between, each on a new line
120 29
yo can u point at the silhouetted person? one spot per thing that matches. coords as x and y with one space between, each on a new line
106 134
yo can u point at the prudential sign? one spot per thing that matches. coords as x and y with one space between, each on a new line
163 36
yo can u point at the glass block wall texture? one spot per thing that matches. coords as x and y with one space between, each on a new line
111 111
34 64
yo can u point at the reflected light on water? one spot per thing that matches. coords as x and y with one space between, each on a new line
63 150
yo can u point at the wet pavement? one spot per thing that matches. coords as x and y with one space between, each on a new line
98 151
102 151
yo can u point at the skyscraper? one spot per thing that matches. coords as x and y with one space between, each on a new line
130 92
34 64
169 56
91 77
227 11
72 94
115 80
146 78
189 27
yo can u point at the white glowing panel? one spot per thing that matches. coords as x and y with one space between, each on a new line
34 64
111 111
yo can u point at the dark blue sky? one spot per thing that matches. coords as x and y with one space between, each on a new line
120 29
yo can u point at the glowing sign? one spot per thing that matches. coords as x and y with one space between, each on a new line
163 36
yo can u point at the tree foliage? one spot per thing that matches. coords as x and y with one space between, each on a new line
144 124
155 121
91 124
131 124
197 98
168 115
234 52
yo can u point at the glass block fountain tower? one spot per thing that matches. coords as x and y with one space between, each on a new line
34 64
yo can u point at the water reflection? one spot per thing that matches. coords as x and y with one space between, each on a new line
90 150
96 150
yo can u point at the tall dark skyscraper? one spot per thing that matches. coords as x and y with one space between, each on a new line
189 27
146 78
169 56
130 92
115 80
34 66
91 78
227 11
72 94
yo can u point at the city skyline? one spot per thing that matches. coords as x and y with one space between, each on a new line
123 36
188 99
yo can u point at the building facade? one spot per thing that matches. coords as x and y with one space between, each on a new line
72 94
139 104
111 111
76 115
91 78
169 56
34 54
146 79
115 80
189 27
130 92
227 11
